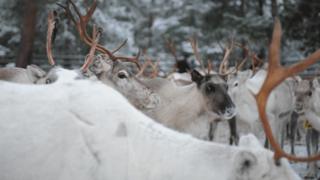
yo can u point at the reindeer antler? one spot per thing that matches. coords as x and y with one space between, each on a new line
120 46
194 45
277 74
96 36
245 58
51 27
172 48
224 63
147 63
143 68
256 62
81 28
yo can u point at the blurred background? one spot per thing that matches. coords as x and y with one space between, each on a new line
149 24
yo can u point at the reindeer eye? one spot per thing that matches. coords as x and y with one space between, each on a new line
122 74
210 88
236 84
48 81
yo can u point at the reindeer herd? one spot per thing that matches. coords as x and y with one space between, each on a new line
107 121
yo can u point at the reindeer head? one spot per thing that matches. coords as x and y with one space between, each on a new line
304 92
116 74
214 90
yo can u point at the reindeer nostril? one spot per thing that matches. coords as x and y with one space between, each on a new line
229 113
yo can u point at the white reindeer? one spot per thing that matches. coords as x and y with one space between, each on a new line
307 105
279 107
85 130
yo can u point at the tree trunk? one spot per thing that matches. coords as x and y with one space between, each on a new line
274 8
225 4
260 8
27 34
242 8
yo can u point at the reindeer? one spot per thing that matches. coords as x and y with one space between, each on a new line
209 98
280 104
31 75
307 96
208 94
242 86
106 66
152 95
87 130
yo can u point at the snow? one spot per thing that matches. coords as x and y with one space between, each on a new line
300 168
161 25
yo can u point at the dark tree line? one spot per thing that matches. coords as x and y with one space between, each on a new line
213 21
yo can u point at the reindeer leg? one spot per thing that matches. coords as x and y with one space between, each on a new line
314 148
266 143
282 134
293 130
313 141
234 137
308 137
299 136
212 130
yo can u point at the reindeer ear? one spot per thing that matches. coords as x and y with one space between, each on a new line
35 72
196 77
244 164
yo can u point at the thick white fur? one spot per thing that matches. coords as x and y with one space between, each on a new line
182 108
279 107
85 130
313 106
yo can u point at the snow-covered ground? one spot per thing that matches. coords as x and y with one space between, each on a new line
300 168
